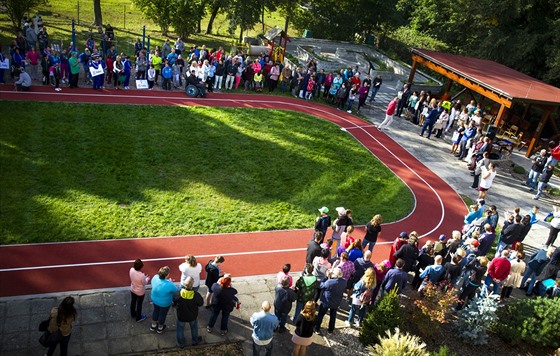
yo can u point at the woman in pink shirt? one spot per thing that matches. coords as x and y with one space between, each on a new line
138 281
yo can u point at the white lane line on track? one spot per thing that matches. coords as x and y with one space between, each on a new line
277 102
156 259
145 260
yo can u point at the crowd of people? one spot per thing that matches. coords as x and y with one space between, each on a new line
173 66
339 272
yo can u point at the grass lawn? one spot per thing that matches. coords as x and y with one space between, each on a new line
93 171
127 22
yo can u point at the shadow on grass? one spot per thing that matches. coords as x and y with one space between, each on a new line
82 172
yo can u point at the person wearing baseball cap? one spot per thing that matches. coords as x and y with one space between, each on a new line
401 240
323 222
439 245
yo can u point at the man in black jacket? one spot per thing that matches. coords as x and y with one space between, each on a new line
283 300
314 247
193 80
409 254
187 302
510 233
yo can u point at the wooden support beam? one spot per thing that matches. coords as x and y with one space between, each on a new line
412 70
537 135
461 80
501 115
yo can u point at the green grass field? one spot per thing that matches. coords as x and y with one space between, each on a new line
83 171
127 22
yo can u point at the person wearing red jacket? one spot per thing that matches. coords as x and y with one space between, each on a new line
498 271
389 113
397 244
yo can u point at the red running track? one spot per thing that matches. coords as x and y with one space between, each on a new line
73 266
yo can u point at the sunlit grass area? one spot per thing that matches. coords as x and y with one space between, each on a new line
93 171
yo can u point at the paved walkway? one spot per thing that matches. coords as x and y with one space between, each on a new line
104 326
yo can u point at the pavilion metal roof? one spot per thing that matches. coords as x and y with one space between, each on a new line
495 77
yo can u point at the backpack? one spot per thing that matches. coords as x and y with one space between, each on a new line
365 297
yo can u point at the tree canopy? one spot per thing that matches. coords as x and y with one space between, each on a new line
17 9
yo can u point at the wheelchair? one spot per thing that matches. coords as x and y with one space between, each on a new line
193 91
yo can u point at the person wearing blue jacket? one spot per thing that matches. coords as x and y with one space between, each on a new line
469 133
431 120
535 266
332 288
264 324
167 74
432 273
127 68
162 297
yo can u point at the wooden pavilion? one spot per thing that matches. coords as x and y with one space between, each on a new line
496 82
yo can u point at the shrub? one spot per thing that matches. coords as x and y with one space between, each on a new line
436 301
383 316
398 344
474 321
433 307
534 321
443 351
519 170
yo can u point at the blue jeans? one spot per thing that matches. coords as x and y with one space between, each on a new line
532 179
359 310
282 318
430 126
529 274
181 332
160 314
489 281
258 348
299 308
214 316
369 244
332 317
373 93
540 188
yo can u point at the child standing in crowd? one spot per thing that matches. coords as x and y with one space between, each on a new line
167 74
351 98
310 88
176 74
341 96
151 77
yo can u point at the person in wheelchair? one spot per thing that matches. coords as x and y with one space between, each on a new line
193 80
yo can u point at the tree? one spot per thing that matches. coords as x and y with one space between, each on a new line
185 19
521 34
17 9
159 11
243 14
318 16
287 8
215 6
97 12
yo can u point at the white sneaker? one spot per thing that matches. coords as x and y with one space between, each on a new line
357 324
347 323
349 111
